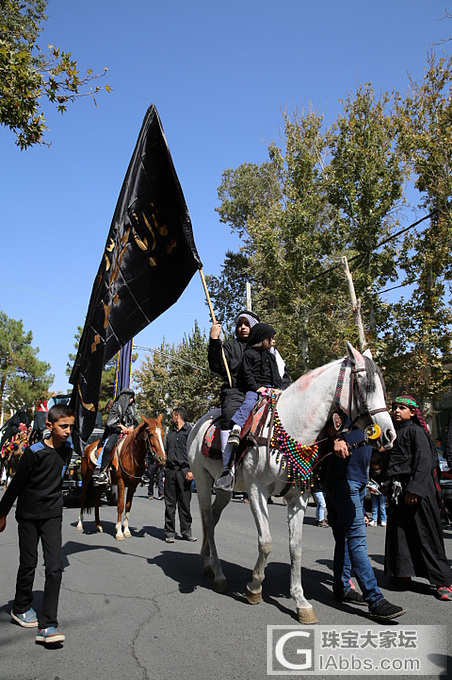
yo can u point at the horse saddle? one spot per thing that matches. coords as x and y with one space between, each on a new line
251 431
96 451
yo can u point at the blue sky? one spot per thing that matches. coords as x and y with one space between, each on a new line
219 73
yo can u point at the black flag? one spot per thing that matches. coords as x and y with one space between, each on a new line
150 257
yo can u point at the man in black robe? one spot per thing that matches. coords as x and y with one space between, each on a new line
414 537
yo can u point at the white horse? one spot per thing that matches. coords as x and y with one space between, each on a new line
352 384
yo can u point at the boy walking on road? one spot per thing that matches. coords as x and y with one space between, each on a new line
37 486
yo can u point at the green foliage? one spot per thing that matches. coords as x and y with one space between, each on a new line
424 121
178 375
332 193
24 379
228 289
326 193
28 76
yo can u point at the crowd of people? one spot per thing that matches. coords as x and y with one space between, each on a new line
405 500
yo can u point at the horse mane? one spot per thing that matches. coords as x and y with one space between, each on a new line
369 382
372 373
135 434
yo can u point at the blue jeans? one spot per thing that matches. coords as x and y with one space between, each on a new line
241 415
349 529
378 503
320 505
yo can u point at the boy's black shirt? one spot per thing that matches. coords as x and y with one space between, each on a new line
37 484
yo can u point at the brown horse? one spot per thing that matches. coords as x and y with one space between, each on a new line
127 467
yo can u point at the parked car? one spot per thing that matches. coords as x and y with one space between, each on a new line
72 478
446 483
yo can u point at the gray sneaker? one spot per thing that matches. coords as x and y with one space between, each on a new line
234 438
100 478
49 636
27 619
225 481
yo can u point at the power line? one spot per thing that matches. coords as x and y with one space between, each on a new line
382 243
46 295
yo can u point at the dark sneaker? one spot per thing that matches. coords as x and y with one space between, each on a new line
100 478
351 597
49 636
444 592
189 538
385 611
234 438
27 619
169 539
322 523
225 481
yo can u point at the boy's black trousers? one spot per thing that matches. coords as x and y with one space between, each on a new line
30 531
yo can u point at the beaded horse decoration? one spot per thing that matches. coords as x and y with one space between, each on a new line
299 459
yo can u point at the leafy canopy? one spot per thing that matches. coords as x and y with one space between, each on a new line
28 76
24 379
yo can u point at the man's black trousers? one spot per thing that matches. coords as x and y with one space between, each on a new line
30 531
177 494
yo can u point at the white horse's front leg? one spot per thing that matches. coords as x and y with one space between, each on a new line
119 535
210 515
259 508
125 526
296 507
80 522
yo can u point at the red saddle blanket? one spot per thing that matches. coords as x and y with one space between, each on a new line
253 427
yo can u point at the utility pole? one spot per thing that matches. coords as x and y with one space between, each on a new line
248 304
356 305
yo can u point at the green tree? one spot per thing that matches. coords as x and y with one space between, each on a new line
365 183
28 76
228 290
422 323
24 379
339 192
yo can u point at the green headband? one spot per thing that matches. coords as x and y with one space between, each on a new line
405 400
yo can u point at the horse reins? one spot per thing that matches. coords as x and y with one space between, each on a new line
148 448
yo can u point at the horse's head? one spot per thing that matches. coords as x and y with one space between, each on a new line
367 399
154 438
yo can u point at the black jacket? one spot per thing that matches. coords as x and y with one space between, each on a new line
259 369
233 351
176 447
411 459
38 483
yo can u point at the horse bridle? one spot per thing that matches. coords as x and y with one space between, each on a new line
149 448
356 393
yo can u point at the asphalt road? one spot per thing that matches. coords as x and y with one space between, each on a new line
141 609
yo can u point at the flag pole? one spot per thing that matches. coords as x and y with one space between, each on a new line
212 314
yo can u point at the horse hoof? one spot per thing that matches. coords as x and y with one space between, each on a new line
79 527
220 585
306 615
99 529
119 537
127 534
253 598
208 571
